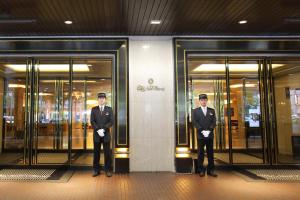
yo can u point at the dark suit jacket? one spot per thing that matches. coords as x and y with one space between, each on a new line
102 120
202 122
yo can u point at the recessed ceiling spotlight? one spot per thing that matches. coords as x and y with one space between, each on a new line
146 46
68 22
243 22
155 21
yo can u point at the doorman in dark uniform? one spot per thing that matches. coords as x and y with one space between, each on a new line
102 120
204 120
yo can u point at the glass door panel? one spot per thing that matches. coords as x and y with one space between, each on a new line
286 76
245 106
93 88
52 112
208 77
36 109
13 111
86 85
78 114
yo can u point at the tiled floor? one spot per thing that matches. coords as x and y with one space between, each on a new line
158 186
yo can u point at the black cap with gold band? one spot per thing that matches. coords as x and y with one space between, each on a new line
202 96
101 95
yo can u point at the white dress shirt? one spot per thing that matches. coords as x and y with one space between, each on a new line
101 131
204 109
101 108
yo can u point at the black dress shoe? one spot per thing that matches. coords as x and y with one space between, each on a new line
212 174
202 174
95 173
108 174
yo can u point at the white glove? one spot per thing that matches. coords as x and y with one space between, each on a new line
101 132
205 133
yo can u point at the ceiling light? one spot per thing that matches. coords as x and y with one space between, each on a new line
155 21
232 67
243 22
250 85
16 86
68 22
45 94
203 81
51 67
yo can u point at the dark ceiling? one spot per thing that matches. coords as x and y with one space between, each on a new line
132 17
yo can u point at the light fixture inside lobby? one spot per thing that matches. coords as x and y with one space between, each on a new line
155 22
232 67
247 85
68 22
45 94
243 22
51 67
16 85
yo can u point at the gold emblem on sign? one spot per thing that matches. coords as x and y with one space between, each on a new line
150 81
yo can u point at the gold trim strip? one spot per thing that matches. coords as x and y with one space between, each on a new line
126 96
178 119
185 101
234 39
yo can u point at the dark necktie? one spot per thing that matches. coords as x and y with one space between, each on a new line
101 110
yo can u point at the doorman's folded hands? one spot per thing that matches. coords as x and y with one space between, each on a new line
205 133
101 132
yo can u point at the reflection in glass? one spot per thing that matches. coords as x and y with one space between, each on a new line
246 127
12 109
51 138
287 108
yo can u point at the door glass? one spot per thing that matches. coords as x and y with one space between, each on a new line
286 76
208 76
50 136
86 85
245 107
78 114
52 112
12 110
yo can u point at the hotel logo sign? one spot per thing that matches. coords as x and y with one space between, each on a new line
150 87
